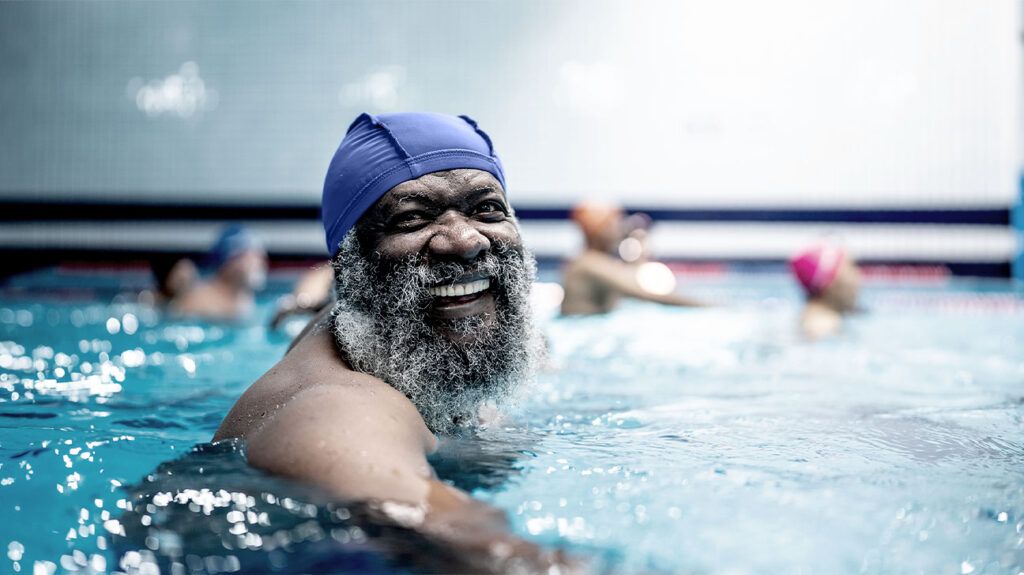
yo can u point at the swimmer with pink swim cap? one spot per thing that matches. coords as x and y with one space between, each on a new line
831 280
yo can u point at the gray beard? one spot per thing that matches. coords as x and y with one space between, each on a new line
381 327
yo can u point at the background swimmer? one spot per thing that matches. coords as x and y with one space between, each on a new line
240 264
831 280
613 264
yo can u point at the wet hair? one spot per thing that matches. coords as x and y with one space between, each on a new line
381 327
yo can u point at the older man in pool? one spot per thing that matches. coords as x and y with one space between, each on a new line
431 322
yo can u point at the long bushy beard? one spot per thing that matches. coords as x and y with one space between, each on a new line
447 368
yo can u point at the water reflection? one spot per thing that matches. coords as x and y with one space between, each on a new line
895 445
209 512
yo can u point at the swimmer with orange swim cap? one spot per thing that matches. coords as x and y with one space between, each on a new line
613 263
831 280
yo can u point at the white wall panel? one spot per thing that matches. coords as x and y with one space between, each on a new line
666 103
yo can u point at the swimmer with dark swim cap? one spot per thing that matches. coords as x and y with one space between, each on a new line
831 281
238 262
431 323
613 264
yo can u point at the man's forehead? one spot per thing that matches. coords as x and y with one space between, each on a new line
440 187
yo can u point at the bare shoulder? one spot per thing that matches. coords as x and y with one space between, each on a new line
313 382
195 299
314 419
591 260
583 264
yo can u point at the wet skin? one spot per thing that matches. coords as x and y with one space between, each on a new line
843 292
228 296
313 418
447 216
248 269
595 280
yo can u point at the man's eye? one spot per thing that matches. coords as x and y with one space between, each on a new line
408 219
490 208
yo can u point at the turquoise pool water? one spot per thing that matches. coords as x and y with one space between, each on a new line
659 440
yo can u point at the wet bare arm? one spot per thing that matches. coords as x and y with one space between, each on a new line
621 277
367 443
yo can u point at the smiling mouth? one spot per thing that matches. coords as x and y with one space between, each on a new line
461 289
457 294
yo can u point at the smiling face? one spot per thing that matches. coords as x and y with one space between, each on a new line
454 217
433 294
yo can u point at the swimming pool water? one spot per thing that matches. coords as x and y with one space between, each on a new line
657 440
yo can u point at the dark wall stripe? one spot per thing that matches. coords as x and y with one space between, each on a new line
20 211
12 211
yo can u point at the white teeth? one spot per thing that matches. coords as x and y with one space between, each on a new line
468 288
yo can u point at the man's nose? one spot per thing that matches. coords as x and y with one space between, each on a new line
457 238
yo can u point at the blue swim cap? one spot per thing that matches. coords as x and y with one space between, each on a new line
232 242
380 152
